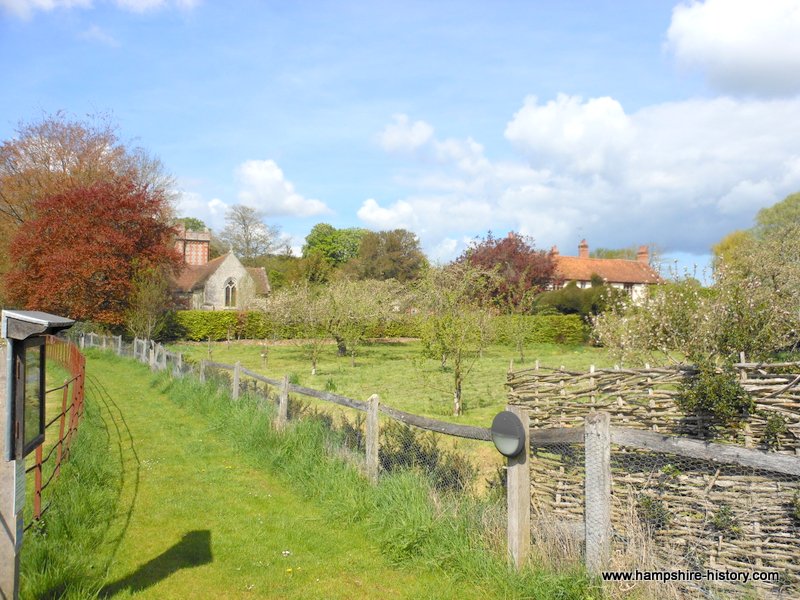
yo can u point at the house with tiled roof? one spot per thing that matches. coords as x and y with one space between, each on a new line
633 276
222 283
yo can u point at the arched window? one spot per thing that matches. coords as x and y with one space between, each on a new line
230 294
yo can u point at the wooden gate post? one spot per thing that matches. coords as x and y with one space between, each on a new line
373 432
519 496
237 370
597 511
283 404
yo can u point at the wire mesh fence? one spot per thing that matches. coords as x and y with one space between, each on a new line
64 409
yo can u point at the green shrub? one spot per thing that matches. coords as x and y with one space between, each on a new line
716 393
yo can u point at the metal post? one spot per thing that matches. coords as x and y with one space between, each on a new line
10 519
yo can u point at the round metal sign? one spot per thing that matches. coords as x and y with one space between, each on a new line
508 434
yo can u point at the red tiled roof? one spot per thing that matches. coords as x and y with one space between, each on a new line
612 270
259 276
193 277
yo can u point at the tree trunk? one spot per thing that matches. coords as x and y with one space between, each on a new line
457 391
341 347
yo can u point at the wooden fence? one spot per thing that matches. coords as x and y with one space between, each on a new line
159 358
609 464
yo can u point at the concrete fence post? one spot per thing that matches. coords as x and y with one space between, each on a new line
203 371
81 341
152 355
519 496
163 357
237 373
119 345
283 404
179 364
597 512
373 437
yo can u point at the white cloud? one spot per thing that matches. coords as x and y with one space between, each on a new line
98 34
192 204
404 136
263 186
742 46
25 8
679 174
586 137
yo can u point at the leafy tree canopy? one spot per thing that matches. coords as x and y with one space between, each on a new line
624 253
519 269
78 256
394 254
786 212
192 224
336 246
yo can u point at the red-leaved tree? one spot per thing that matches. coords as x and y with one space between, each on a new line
518 270
77 257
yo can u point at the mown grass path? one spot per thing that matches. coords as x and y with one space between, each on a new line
197 520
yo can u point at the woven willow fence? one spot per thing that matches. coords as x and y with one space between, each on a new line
708 510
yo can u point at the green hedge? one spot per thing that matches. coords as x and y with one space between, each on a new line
541 329
200 325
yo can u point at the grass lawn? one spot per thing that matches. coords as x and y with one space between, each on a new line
197 519
398 373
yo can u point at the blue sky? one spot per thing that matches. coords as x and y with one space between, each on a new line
624 123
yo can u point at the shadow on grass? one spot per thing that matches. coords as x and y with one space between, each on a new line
193 550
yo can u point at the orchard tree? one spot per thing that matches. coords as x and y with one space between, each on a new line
755 310
519 269
354 307
78 256
301 308
248 236
394 254
455 329
149 305
775 217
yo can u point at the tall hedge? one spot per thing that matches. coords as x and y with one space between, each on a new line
541 329
200 325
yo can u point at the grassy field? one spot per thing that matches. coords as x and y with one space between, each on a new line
181 503
398 373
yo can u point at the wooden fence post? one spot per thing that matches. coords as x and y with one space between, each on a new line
373 432
152 354
519 496
237 370
597 511
283 404
203 371
179 364
163 358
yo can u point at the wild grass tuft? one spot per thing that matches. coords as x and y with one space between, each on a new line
59 558
413 523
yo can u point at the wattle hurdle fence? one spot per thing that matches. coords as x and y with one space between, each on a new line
47 467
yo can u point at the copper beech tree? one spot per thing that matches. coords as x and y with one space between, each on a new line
518 269
80 254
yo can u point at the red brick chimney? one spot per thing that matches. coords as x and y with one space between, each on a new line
583 249
193 245
643 255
